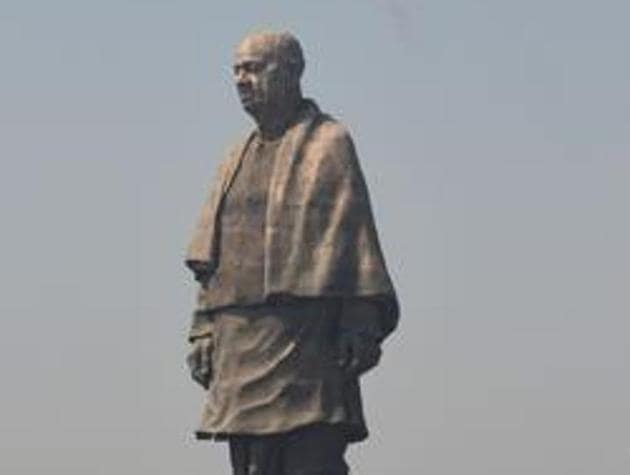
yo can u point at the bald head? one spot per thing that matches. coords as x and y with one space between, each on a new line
267 71
280 47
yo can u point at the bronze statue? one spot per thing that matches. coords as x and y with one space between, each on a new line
294 298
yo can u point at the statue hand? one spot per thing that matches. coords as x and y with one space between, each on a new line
200 361
357 352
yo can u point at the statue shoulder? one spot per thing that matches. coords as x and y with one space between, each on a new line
233 153
332 142
331 131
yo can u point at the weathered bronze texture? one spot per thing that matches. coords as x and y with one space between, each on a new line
294 297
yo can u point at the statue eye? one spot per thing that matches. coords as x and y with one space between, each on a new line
248 67
254 67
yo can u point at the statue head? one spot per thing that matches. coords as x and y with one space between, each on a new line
267 71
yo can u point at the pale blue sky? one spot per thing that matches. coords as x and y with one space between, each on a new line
495 137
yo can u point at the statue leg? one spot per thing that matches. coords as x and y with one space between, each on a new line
315 450
255 454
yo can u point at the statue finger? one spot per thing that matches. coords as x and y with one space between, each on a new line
192 360
344 351
202 377
206 359
370 359
357 350
355 364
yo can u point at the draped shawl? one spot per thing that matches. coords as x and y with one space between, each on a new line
320 239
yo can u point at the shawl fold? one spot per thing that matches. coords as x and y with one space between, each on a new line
320 237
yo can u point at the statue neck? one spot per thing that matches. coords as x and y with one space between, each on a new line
273 123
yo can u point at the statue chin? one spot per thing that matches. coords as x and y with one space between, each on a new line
251 108
249 103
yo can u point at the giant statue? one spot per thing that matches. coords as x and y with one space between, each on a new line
294 296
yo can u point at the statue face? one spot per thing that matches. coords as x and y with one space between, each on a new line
260 77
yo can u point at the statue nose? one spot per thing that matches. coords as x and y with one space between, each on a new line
240 77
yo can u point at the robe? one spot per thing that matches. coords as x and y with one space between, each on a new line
319 239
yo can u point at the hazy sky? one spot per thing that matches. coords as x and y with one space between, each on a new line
495 137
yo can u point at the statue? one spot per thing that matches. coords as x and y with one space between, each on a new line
294 297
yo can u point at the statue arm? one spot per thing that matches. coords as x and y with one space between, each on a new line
362 316
360 334
200 335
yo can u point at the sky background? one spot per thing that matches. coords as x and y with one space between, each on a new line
495 138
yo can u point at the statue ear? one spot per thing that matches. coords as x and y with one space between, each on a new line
294 69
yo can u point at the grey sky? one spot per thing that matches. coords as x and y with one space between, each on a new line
495 137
